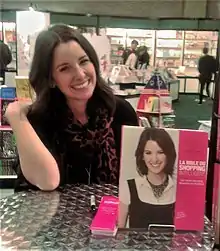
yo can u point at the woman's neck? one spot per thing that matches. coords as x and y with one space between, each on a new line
156 179
78 109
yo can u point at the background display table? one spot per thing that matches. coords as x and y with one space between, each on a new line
60 220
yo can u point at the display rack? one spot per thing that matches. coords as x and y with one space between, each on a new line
8 157
8 151
169 48
155 87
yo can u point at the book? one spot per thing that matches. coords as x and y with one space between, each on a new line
8 148
156 104
24 90
216 203
105 220
3 106
162 178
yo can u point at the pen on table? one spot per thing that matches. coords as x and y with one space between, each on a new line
92 203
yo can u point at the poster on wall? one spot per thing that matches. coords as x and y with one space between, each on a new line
102 47
29 24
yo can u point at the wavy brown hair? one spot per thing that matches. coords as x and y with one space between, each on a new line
40 76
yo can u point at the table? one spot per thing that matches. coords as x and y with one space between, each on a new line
60 220
185 77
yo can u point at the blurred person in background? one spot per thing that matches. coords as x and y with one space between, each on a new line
207 66
128 52
143 59
5 59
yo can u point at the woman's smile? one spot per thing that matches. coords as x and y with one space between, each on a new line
154 157
82 85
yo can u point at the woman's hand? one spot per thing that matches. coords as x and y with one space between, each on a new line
17 111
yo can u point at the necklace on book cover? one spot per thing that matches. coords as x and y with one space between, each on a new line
159 189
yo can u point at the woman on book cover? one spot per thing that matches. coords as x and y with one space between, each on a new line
150 198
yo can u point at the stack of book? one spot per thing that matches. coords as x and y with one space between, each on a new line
105 220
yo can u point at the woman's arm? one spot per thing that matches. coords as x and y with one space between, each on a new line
37 163
124 201
123 215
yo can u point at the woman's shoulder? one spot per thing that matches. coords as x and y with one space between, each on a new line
43 124
125 113
39 121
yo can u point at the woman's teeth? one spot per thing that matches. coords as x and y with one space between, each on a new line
157 165
81 86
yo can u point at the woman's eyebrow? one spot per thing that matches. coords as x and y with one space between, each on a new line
83 57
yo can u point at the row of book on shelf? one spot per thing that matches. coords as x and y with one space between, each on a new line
8 154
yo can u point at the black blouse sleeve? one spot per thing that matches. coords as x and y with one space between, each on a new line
41 128
124 115
125 112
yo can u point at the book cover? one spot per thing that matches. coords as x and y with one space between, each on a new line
24 91
105 220
7 144
3 106
162 178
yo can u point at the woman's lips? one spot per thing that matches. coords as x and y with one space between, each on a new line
155 165
81 86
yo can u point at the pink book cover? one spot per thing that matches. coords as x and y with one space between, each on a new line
218 136
107 214
191 180
216 202
162 178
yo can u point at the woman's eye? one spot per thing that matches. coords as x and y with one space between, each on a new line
84 61
147 152
63 68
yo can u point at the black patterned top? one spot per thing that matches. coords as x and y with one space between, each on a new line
87 153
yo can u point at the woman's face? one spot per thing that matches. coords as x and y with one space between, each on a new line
73 72
154 157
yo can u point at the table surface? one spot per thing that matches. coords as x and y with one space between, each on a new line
60 220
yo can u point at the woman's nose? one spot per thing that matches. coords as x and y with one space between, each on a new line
154 158
79 73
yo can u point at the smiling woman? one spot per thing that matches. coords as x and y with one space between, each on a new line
72 132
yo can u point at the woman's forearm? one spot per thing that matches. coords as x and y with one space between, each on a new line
123 215
37 164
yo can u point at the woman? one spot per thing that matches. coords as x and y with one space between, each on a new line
72 132
143 59
150 198
131 61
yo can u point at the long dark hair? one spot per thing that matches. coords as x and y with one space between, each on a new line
40 76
